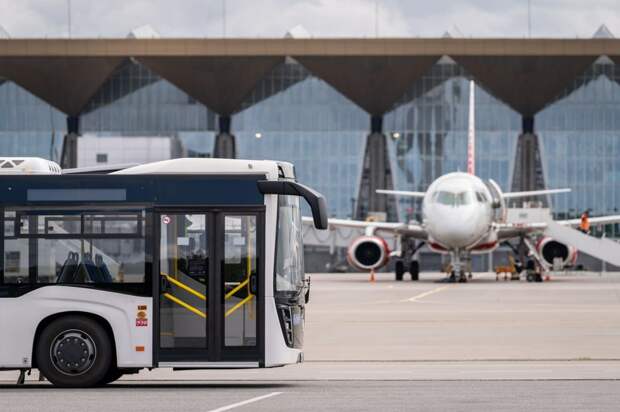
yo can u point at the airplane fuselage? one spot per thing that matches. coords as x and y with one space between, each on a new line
458 214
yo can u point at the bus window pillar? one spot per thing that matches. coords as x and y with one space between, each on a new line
68 156
225 146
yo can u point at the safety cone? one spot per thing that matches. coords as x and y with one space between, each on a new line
372 276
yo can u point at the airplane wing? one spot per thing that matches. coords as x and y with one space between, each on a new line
414 230
511 230
512 195
400 193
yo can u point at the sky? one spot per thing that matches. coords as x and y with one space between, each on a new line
320 18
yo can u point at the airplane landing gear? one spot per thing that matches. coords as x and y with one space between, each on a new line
409 254
462 277
414 270
399 270
458 273
532 272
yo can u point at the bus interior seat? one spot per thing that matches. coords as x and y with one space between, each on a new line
92 270
103 269
81 274
69 268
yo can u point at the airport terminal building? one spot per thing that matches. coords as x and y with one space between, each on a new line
352 115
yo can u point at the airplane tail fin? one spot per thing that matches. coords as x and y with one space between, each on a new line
471 131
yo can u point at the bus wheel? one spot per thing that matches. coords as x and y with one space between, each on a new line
399 270
74 351
113 375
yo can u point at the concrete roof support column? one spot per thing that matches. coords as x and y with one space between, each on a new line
375 83
526 83
221 83
68 156
376 174
528 170
67 83
225 145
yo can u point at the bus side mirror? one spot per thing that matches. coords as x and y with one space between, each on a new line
315 200
496 204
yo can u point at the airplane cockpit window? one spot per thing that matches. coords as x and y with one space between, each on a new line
453 199
444 198
463 198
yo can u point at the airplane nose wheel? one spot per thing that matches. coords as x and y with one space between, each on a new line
462 277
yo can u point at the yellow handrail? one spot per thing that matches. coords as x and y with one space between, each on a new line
238 305
189 307
184 286
236 289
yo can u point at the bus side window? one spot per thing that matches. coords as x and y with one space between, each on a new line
74 248
16 267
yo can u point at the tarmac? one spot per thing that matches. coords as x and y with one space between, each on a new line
394 346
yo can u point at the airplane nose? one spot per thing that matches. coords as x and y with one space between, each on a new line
456 228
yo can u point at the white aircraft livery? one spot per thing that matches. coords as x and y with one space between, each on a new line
464 215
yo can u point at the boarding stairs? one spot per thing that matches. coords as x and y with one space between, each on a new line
601 248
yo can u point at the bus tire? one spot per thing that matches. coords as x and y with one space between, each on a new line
113 375
74 351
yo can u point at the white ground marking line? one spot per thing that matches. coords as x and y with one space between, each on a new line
238 404
425 294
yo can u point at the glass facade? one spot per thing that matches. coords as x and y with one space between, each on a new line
427 134
294 116
301 119
29 126
580 143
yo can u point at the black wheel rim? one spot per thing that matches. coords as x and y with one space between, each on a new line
73 352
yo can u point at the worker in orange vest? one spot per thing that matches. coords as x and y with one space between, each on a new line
584 226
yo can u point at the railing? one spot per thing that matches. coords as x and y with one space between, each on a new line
201 296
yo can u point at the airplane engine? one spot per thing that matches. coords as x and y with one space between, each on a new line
550 249
368 253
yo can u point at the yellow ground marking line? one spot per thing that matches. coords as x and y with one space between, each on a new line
184 287
185 305
425 294
238 305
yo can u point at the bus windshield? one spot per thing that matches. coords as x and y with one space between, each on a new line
289 254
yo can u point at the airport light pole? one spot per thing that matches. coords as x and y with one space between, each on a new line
224 18
377 18
529 18
69 18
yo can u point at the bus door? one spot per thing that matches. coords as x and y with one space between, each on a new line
209 310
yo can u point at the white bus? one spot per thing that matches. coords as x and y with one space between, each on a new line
186 263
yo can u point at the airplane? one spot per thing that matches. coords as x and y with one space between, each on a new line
462 215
